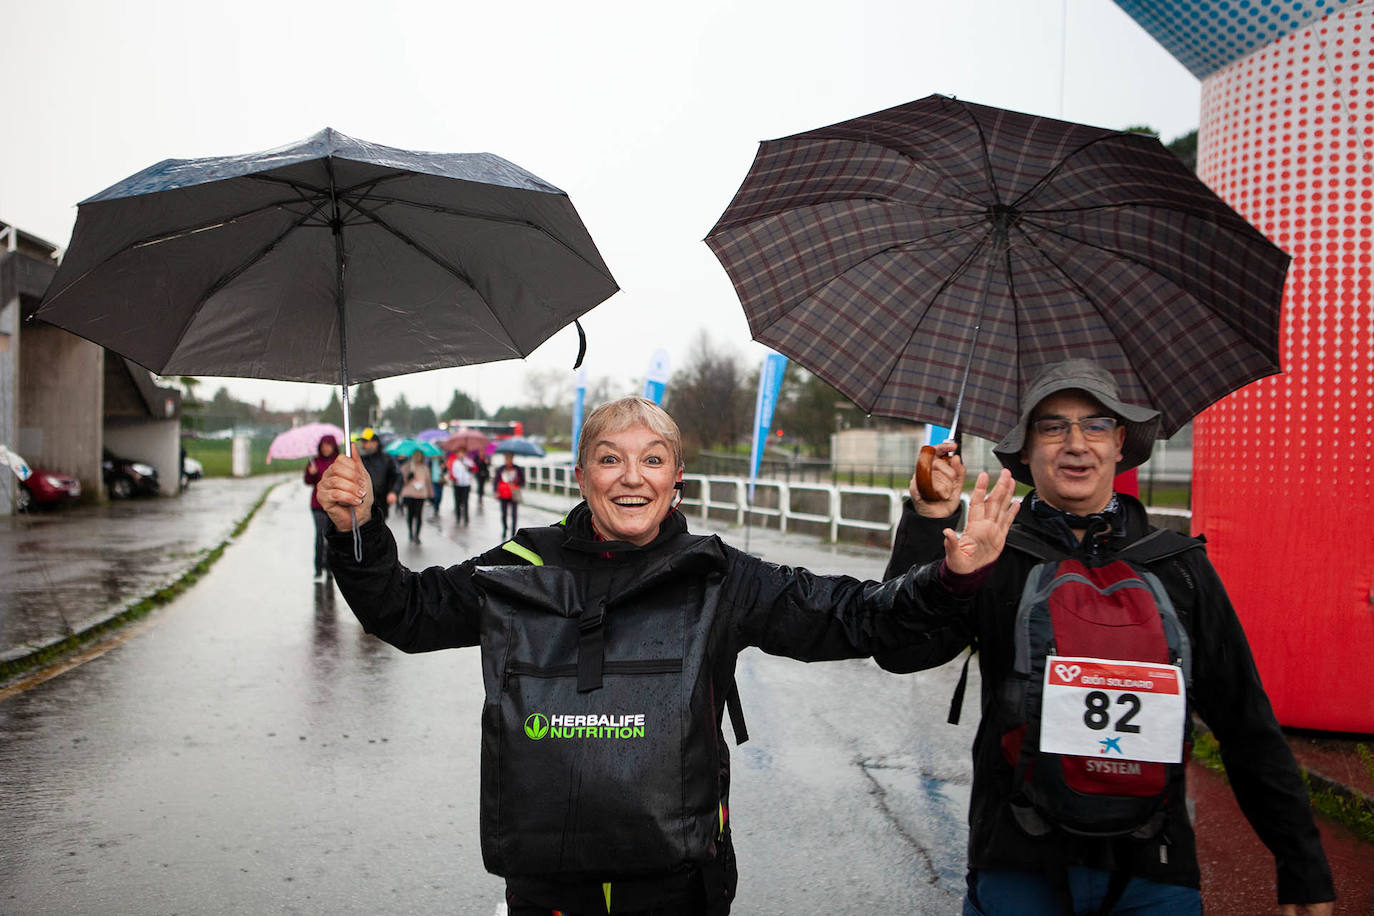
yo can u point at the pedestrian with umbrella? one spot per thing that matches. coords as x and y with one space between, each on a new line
417 488
1032 848
460 472
510 478
1073 292
481 473
608 647
382 469
326 451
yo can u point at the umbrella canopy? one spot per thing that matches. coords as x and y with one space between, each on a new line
431 435
405 447
516 445
940 253
465 440
264 265
303 441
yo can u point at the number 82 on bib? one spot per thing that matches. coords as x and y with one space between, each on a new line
1112 710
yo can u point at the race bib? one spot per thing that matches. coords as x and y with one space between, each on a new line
1112 710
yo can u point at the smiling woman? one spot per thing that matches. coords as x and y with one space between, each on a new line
608 652
629 466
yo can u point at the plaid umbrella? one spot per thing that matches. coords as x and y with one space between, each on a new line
928 260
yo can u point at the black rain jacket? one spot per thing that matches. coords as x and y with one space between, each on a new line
1227 695
782 610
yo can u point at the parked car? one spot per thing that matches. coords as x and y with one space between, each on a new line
125 477
191 469
46 487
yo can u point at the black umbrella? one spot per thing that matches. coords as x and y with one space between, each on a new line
269 265
928 260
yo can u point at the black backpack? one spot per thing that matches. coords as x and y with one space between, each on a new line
600 742
1097 773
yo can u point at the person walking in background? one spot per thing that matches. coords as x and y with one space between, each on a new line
325 453
509 480
416 489
480 471
382 469
438 475
460 472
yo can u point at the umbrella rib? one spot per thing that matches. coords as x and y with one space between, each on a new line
987 156
1097 307
1045 179
229 276
1122 256
179 234
486 217
954 275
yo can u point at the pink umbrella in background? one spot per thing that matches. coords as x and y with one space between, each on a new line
303 441
465 440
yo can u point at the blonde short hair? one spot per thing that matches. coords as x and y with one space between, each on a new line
613 416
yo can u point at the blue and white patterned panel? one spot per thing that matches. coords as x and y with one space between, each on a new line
1206 35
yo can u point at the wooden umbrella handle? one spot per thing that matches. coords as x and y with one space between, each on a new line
925 485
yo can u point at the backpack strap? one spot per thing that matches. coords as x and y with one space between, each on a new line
956 702
1027 543
736 710
1160 544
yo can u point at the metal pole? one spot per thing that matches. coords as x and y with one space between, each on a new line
336 226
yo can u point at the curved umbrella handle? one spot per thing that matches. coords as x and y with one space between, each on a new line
925 485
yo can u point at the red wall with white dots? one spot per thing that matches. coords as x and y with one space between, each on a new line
1283 483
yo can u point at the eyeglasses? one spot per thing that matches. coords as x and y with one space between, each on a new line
1056 429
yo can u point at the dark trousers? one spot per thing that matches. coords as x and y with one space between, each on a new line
460 503
438 497
508 505
322 526
415 509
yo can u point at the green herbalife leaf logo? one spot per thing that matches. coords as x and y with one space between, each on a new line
536 726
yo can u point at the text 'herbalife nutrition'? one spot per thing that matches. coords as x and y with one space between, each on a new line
629 726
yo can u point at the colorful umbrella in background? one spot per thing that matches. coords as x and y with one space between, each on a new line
465 440
517 445
929 259
403 448
432 435
303 441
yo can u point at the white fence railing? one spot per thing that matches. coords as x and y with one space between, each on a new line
868 508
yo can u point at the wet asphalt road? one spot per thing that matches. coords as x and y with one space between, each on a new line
251 750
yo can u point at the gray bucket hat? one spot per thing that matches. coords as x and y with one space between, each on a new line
1142 423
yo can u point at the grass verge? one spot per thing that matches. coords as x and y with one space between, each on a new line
1331 799
139 609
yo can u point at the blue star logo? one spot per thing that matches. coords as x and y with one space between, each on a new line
1111 744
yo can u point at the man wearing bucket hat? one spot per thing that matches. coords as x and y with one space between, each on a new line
382 468
1030 852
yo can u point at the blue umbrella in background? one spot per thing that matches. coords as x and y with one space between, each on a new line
517 445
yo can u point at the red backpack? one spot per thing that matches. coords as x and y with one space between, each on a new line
1095 712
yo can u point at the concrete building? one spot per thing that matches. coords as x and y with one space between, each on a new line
64 400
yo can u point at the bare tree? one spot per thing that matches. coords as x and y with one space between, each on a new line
708 396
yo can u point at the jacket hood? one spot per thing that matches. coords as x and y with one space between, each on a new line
327 439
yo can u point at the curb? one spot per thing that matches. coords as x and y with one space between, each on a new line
26 658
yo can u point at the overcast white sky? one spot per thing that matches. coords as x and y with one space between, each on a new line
648 114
